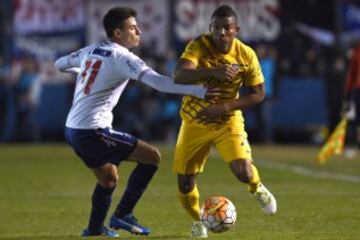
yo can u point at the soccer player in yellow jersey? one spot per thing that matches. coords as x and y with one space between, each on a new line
218 59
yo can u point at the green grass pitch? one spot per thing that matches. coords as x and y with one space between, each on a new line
45 194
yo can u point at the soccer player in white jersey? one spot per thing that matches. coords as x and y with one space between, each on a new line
103 70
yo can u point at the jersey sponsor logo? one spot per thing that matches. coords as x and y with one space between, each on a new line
132 68
101 52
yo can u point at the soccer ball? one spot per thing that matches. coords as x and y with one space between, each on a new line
218 214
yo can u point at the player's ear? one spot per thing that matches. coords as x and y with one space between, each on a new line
117 33
237 29
211 26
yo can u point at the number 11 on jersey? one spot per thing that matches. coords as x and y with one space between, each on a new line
93 67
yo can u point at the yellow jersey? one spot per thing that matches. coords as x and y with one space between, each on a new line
202 53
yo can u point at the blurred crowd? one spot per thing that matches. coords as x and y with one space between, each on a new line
143 111
21 85
153 115
26 116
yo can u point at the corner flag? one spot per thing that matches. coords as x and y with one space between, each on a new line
335 143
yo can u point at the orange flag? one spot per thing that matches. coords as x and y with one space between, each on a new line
335 143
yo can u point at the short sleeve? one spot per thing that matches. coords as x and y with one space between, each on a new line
192 52
130 66
254 74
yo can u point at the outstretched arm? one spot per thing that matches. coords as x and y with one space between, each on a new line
132 67
165 84
186 72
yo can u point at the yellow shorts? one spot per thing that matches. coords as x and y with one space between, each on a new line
194 142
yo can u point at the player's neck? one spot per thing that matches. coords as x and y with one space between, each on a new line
117 41
221 51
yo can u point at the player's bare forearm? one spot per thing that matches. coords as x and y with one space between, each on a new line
190 76
255 95
186 72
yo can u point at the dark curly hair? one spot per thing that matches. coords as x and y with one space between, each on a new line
224 11
115 18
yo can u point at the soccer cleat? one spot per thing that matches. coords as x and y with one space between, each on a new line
266 199
198 230
105 231
128 223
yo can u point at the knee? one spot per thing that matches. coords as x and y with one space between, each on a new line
155 156
109 181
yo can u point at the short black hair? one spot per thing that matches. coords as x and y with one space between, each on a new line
115 18
224 11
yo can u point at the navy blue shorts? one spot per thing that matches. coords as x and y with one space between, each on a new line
100 146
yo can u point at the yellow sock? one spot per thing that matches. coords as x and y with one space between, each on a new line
255 180
190 202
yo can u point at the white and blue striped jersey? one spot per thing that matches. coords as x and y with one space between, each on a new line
103 71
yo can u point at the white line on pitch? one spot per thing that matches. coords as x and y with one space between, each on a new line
308 172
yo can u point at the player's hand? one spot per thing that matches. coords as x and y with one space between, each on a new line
213 93
212 112
225 73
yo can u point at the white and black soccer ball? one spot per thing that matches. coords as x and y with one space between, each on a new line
218 214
